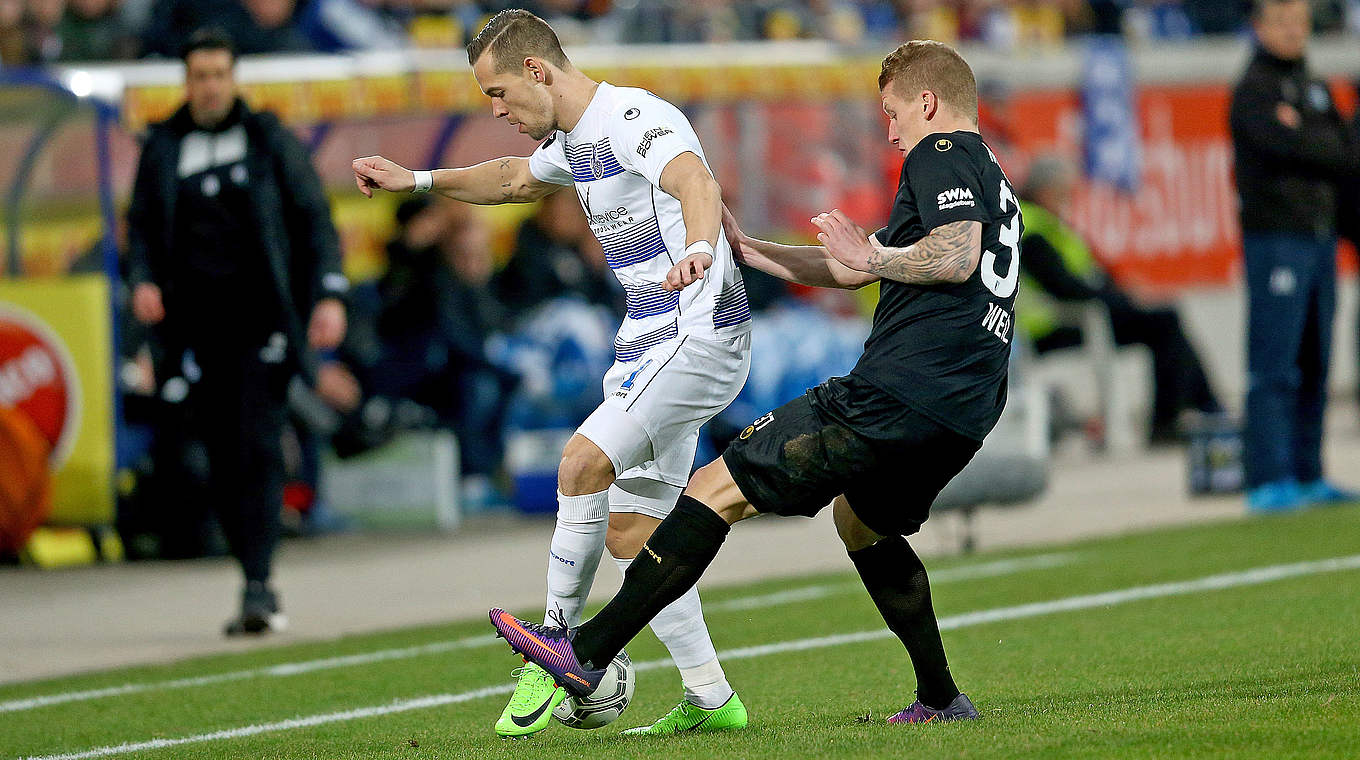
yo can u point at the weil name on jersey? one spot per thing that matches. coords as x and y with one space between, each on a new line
615 157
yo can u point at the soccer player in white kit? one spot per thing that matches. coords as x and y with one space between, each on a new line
682 352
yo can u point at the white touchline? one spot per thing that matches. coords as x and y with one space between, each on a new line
804 593
1251 577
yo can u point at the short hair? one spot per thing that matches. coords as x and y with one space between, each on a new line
929 65
209 38
514 34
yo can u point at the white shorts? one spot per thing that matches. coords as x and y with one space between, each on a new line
654 405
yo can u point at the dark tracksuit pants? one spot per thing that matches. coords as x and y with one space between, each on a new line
1179 381
240 408
1291 292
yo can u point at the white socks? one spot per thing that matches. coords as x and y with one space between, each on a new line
680 626
577 543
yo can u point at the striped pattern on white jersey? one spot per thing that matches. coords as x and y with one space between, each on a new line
592 161
649 300
633 245
615 155
626 350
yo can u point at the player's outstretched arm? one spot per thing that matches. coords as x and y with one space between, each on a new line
948 254
804 264
500 180
687 180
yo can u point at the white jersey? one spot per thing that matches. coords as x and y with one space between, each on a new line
615 157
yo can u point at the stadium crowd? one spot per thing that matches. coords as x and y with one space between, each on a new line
46 31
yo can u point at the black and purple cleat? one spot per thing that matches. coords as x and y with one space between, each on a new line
550 648
960 709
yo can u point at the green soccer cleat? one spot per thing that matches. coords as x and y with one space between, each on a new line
688 716
531 706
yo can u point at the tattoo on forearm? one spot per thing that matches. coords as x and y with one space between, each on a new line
507 180
948 254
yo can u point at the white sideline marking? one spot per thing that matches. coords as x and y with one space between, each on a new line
985 569
1251 577
282 669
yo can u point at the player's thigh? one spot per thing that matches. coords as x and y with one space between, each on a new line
895 498
664 397
652 488
793 461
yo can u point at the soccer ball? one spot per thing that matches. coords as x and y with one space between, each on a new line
606 703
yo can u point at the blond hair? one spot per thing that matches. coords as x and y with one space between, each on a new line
929 65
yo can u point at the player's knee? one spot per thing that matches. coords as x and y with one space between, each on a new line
584 468
712 485
627 533
853 532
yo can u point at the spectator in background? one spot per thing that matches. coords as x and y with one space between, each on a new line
1216 16
233 256
1059 267
1348 202
13 51
272 28
94 30
338 25
42 38
1292 151
556 255
436 315
172 21
255 26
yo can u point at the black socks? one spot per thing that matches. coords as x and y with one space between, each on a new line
897 582
670 563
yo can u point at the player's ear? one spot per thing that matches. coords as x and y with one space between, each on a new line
930 104
537 71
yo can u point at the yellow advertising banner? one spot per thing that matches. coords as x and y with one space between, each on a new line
56 368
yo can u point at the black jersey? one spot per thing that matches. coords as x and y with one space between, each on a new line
943 349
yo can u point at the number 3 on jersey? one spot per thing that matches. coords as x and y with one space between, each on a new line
1009 236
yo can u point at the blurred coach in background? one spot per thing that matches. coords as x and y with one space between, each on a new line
231 251
1293 152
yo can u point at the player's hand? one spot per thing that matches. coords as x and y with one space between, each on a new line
1288 115
735 237
338 387
846 241
147 305
327 326
687 271
376 171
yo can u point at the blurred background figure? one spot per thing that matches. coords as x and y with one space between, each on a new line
96 30
233 256
436 314
556 256
1060 267
1293 152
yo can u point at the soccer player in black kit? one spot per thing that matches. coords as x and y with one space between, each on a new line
884 440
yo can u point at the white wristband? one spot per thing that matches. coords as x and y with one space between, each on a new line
424 181
700 246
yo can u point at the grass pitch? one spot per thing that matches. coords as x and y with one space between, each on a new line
1171 644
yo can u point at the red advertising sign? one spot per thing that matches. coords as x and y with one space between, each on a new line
1180 228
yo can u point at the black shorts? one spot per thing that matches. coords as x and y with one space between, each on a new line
798 458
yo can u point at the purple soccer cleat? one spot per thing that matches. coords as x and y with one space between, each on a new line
550 648
960 709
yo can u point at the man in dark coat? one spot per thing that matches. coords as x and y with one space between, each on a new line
1293 154
234 258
